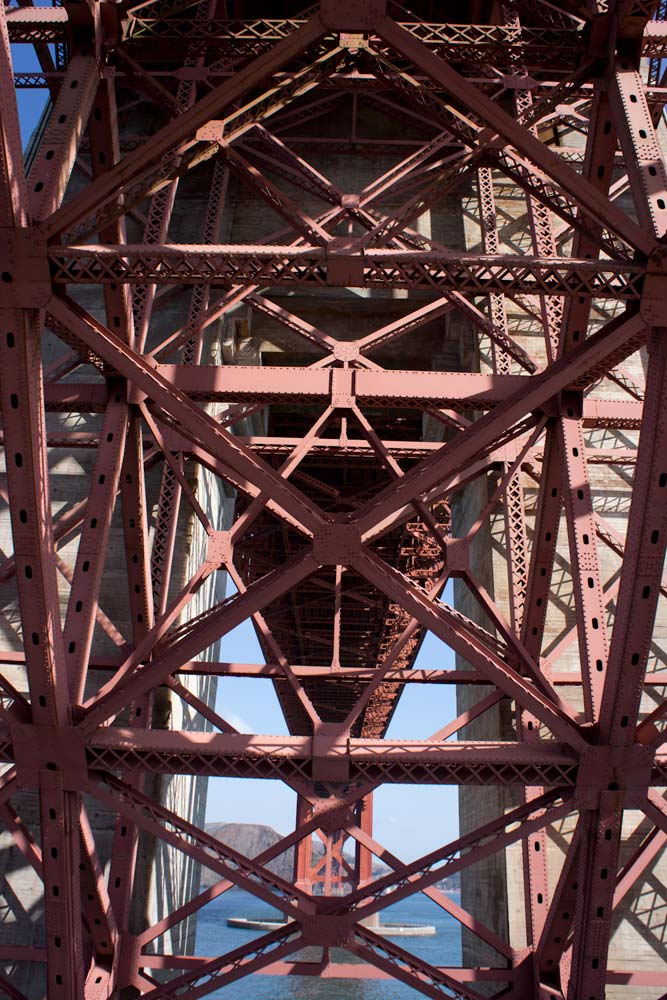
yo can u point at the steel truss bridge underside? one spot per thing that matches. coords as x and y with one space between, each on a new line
340 581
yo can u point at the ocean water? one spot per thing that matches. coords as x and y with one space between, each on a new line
215 938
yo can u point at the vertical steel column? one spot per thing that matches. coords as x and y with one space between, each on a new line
534 848
363 856
22 407
303 851
642 567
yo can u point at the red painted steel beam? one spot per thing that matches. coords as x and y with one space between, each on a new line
622 335
472 274
182 129
21 404
460 391
301 556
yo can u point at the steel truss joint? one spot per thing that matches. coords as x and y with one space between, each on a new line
331 754
219 551
337 544
569 402
611 769
457 555
49 749
345 265
352 15
653 307
327 930
25 278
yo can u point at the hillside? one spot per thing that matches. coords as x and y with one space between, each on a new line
252 839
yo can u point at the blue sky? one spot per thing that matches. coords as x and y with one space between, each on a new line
30 102
409 820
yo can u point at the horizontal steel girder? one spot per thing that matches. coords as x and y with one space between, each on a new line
238 755
310 266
